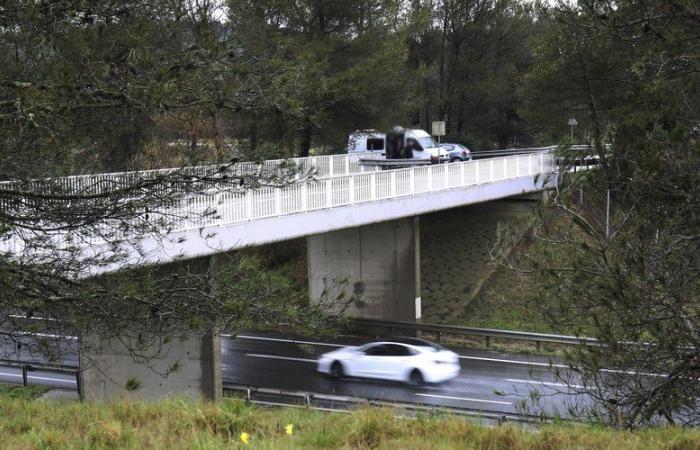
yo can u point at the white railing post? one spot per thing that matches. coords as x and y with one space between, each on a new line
446 180
462 168
329 194
248 205
305 196
278 202
505 168
351 187
430 178
393 184
219 205
477 165
331 163
347 165
413 181
373 186
529 162
517 166
491 169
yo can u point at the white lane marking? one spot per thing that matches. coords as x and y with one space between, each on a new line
17 316
559 366
478 400
545 383
510 361
287 358
34 377
258 338
52 336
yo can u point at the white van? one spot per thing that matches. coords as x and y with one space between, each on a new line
366 141
373 141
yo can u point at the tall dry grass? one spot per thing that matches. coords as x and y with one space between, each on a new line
27 423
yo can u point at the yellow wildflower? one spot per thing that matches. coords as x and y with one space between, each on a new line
289 428
244 437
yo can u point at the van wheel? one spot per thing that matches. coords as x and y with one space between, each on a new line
337 370
416 378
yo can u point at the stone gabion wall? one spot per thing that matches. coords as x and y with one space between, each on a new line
455 254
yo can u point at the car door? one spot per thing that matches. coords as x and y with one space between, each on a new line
387 361
369 363
398 361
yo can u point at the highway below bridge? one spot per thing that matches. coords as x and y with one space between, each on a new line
278 369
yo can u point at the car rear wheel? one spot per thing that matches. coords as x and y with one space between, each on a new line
455 160
337 369
416 378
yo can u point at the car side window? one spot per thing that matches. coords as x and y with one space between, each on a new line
389 350
377 350
375 144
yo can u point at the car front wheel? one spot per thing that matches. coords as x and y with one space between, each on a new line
416 378
337 369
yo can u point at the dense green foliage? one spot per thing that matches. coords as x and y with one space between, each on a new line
111 85
631 71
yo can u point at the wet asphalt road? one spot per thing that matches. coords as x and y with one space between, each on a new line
489 381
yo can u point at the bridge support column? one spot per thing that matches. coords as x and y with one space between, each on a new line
129 368
153 366
379 264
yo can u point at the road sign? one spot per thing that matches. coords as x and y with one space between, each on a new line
438 128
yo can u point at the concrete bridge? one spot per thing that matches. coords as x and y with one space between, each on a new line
361 225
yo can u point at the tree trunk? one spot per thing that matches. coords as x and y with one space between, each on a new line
306 133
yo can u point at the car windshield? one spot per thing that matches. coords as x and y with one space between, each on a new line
427 142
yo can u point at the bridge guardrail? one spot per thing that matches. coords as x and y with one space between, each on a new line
486 333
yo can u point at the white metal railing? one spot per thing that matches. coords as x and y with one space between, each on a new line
231 207
321 166
355 188
228 207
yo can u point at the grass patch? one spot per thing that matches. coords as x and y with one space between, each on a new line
174 424
23 393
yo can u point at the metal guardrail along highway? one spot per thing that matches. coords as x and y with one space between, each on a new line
486 333
28 366
340 403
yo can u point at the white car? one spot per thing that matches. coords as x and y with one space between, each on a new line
414 361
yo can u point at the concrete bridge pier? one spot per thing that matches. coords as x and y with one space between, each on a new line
130 368
149 367
377 264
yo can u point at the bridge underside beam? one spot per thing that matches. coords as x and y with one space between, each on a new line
378 264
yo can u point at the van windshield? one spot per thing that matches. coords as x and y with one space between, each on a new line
427 142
